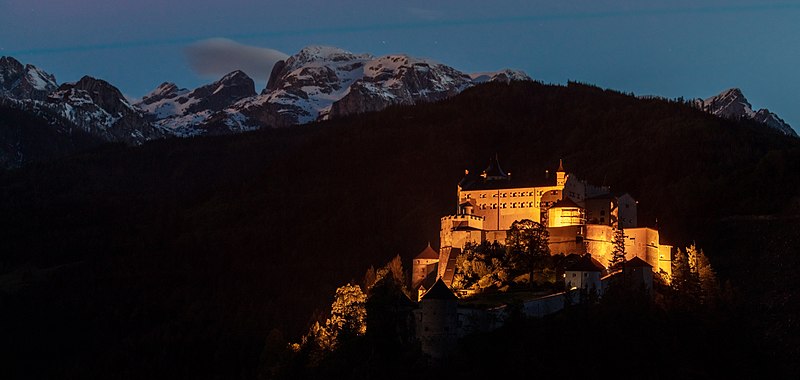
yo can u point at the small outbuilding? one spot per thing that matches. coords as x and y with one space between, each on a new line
584 274
638 273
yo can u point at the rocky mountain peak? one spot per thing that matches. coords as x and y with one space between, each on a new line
20 81
163 91
322 54
97 91
732 104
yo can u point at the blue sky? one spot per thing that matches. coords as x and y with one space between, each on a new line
669 48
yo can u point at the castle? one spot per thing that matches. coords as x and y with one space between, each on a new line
580 218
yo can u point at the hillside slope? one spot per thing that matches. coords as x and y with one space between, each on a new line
178 257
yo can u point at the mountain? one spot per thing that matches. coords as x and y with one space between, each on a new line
24 82
178 111
320 83
27 137
317 83
732 104
91 105
180 257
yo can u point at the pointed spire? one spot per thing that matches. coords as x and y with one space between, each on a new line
494 171
560 165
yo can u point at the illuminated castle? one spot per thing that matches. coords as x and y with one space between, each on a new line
581 218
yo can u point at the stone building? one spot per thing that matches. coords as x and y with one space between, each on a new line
581 218
584 274
437 320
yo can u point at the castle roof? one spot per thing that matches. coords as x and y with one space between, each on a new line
427 253
439 291
494 171
586 264
565 202
430 279
560 165
636 262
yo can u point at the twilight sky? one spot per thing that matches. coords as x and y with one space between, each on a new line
669 48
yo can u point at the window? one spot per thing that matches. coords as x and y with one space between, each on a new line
573 275
602 212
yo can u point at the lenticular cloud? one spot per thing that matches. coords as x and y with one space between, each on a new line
219 56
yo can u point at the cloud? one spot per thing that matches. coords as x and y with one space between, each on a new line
216 57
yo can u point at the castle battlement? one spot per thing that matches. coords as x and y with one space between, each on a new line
463 217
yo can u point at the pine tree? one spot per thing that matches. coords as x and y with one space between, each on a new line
618 249
709 285
685 281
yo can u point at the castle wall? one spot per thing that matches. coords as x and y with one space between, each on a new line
575 189
627 211
599 242
602 211
665 259
457 230
566 240
642 243
544 306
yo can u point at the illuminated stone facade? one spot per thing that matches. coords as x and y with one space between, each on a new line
581 218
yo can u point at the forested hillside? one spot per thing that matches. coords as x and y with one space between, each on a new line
177 258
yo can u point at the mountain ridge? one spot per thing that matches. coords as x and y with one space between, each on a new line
317 83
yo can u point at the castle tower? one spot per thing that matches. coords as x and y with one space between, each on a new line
424 265
561 175
437 320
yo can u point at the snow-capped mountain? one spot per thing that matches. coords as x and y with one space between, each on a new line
317 83
99 108
91 105
321 82
732 104
178 111
24 82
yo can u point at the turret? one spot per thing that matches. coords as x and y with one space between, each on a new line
561 175
424 265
